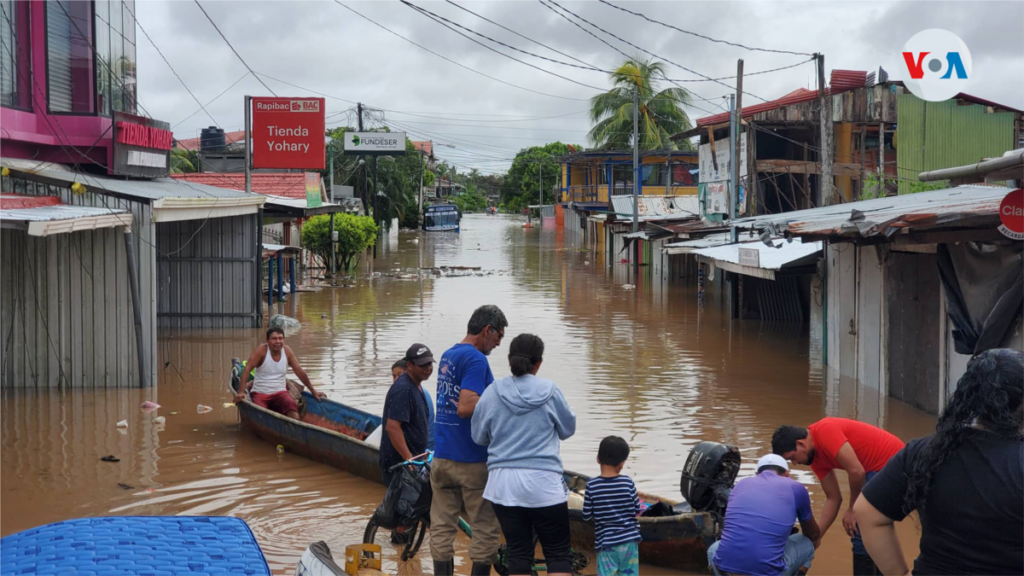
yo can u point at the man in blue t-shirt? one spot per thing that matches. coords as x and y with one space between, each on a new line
459 473
757 537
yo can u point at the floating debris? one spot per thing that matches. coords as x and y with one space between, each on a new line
159 420
148 406
110 458
628 287
203 409
122 424
125 486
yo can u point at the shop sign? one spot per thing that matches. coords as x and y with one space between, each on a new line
288 133
375 143
141 146
750 257
313 199
1011 214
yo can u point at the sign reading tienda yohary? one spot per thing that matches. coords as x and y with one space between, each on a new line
1011 214
391 143
288 133
141 146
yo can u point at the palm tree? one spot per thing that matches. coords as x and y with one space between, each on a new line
661 112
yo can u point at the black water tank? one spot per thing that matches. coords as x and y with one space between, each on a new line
211 138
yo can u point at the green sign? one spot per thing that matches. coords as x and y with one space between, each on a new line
313 199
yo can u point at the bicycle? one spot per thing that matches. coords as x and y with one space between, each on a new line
415 535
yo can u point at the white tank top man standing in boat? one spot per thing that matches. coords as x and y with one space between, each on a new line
269 387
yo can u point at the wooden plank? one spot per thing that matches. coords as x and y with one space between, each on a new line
804 167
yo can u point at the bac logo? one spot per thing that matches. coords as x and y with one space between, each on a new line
937 65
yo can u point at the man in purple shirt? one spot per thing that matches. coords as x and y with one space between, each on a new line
757 537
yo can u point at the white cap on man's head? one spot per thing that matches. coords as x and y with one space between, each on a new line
772 460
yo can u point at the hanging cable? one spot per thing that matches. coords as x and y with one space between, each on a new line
230 46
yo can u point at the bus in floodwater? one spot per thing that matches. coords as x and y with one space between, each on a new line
441 218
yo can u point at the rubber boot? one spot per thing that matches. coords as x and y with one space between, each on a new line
480 569
863 565
445 568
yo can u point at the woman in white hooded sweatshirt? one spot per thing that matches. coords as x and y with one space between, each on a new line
522 419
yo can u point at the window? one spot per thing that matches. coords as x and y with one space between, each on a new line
684 174
69 56
15 79
653 174
115 56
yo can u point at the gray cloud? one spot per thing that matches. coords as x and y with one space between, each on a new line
321 46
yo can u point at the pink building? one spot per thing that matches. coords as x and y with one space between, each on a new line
67 67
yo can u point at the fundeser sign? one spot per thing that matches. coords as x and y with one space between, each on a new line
288 133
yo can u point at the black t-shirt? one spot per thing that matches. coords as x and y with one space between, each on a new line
404 403
974 519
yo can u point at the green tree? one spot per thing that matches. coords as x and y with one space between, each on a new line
661 111
355 235
471 200
522 184
183 161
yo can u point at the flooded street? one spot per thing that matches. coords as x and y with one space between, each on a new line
646 364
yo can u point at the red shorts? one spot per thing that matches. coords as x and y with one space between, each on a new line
280 402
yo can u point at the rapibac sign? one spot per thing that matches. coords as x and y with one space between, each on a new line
288 133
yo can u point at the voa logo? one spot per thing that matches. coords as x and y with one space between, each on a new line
938 65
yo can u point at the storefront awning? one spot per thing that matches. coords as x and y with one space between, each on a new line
760 260
46 215
282 207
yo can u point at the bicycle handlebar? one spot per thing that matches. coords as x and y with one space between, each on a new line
414 461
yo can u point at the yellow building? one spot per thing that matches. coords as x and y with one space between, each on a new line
591 178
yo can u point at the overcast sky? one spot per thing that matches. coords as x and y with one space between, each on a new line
320 46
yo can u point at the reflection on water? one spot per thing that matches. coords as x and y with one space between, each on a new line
645 364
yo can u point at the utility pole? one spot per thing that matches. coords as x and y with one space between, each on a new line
737 124
330 267
422 161
636 183
376 220
366 205
827 157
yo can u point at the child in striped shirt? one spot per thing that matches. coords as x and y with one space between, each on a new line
612 503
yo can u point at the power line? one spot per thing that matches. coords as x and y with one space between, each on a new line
175 72
518 34
439 19
217 97
230 46
701 35
453 61
695 73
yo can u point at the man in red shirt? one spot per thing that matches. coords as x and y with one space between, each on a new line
860 449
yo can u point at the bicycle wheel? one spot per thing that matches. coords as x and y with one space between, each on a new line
397 558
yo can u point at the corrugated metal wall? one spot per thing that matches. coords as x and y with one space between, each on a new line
206 273
934 135
77 284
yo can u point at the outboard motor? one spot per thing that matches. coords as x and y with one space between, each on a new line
709 475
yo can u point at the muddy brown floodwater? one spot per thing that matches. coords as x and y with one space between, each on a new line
645 364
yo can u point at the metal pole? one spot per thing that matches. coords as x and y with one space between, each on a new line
376 220
734 198
270 286
827 137
248 147
734 167
419 218
636 159
133 285
334 256
280 276
258 265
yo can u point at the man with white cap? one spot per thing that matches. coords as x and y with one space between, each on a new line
758 534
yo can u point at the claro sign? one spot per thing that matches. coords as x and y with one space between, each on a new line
381 143
288 133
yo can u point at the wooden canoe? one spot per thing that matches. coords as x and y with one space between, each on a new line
679 541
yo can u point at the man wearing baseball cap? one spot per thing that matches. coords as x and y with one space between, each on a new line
757 537
406 415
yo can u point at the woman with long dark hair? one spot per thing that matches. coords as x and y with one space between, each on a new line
522 419
966 481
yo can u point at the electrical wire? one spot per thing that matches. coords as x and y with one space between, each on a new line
638 14
338 2
441 20
166 61
226 41
217 97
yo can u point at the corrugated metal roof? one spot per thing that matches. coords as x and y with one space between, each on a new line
688 246
148 189
963 207
43 219
784 254
652 208
843 80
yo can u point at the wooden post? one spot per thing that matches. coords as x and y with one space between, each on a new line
828 196
807 183
860 160
881 159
